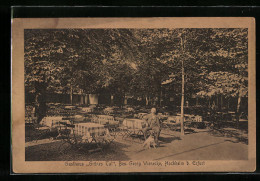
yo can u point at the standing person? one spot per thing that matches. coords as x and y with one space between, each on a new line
153 123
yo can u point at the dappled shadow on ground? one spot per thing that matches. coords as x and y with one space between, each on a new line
238 132
51 152
194 149
169 139
239 135
187 131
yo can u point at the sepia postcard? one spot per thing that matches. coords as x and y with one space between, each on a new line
115 95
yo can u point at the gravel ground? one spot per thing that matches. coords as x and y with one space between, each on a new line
195 145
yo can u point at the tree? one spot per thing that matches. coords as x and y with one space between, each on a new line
227 68
74 60
135 61
150 70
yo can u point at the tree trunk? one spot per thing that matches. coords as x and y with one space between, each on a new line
86 99
37 107
217 102
71 95
182 100
81 97
122 99
160 96
125 100
182 92
238 105
221 102
146 101
112 100
228 104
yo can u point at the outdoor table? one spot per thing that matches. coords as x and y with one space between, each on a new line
53 121
79 118
162 116
93 132
192 118
87 135
87 109
141 115
130 109
109 110
197 119
133 127
92 129
52 125
185 115
134 123
69 107
231 112
175 119
103 119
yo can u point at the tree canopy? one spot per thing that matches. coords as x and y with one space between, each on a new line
136 61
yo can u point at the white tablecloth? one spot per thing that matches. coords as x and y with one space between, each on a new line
70 107
52 121
134 123
192 118
90 129
87 109
79 118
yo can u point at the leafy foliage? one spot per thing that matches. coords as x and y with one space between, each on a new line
136 61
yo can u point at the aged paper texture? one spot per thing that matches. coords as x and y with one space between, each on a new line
101 95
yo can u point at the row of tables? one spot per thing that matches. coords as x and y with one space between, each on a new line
90 128
79 133
128 127
135 123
